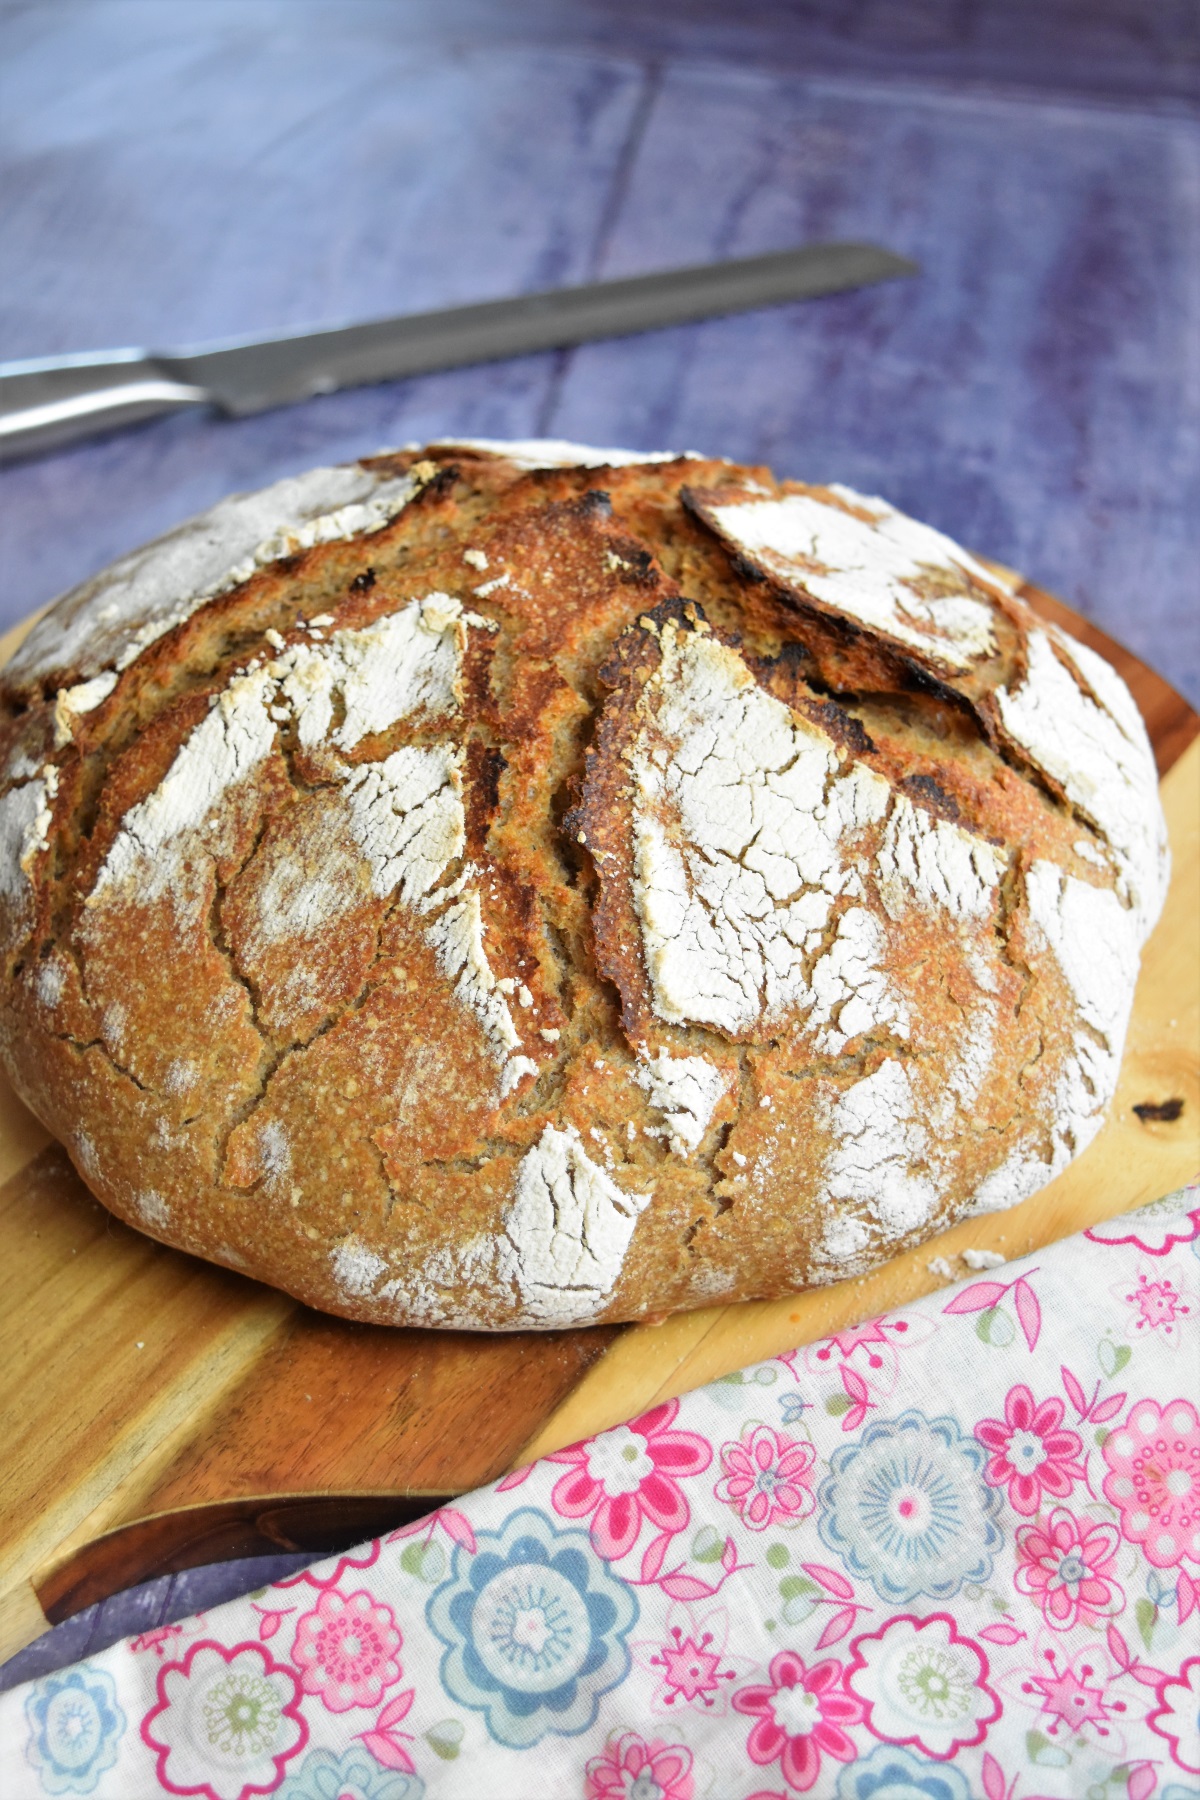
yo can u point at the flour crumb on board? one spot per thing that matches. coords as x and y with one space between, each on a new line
937 1265
976 1260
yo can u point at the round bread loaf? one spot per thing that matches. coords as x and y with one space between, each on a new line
518 885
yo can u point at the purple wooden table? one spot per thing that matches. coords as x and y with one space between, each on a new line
179 170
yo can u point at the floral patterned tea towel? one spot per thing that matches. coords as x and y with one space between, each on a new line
952 1554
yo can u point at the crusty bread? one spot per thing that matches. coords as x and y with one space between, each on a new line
505 886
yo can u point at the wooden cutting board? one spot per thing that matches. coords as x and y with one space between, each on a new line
156 1412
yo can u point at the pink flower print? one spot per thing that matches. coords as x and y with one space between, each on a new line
768 1477
691 1670
801 1715
346 1648
325 1575
861 1337
1154 1480
629 1474
1066 1565
1158 1304
226 1724
1070 1697
1177 1715
1156 1228
1031 1454
633 1769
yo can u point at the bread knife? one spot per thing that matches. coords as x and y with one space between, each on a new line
55 400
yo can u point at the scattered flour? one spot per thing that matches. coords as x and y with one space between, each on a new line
222 752
25 817
51 978
1096 941
403 666
686 1090
1101 756
274 1150
356 1269
739 818
929 862
108 621
567 1232
152 1209
867 568
1021 1174
877 1165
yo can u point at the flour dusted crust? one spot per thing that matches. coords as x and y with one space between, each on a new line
502 886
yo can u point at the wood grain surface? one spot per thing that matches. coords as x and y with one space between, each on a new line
158 1413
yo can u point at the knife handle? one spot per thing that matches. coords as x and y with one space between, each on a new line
57 400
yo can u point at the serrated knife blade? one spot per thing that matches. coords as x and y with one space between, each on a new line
55 400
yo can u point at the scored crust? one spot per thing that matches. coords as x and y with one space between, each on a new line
503 886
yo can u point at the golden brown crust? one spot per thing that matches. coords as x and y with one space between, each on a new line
548 894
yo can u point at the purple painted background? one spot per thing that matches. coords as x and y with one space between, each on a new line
178 170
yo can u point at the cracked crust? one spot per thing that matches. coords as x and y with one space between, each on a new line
506 890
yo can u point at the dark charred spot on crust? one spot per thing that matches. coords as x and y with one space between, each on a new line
841 726
485 765
637 646
362 582
1163 1111
745 570
438 487
594 503
638 566
926 791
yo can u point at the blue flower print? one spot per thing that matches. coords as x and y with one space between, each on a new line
891 1773
535 1625
75 1729
352 1776
906 1507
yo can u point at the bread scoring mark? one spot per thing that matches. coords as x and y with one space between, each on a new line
740 808
567 1232
1101 758
686 1090
405 814
869 561
221 753
878 1167
107 622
